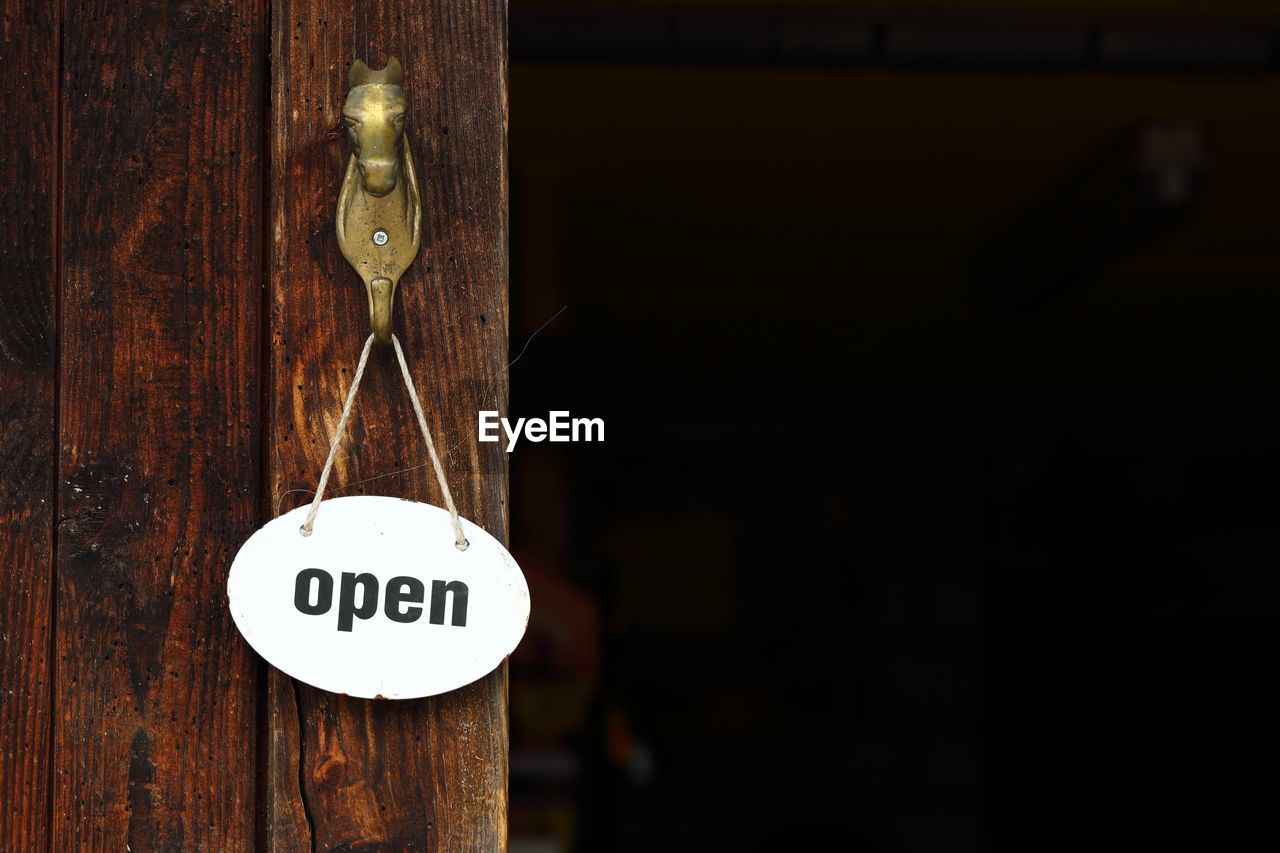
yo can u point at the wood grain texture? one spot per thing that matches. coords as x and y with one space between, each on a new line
28 170
352 774
160 402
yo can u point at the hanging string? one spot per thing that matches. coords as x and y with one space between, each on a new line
460 540
337 439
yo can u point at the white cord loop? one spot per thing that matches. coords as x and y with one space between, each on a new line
309 524
460 541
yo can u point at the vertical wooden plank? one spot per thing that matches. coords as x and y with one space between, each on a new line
348 773
159 403
28 168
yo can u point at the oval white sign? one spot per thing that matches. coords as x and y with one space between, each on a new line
377 602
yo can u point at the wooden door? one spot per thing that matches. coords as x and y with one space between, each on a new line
177 332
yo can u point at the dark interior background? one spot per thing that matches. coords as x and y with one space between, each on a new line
935 345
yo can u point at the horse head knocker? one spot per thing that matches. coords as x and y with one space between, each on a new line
379 209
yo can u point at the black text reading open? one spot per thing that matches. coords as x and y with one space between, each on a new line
313 595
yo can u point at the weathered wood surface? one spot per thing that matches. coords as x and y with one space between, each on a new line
28 171
159 476
351 774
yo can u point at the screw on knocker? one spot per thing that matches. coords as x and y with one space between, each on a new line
379 211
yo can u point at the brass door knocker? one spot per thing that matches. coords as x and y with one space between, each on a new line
379 213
